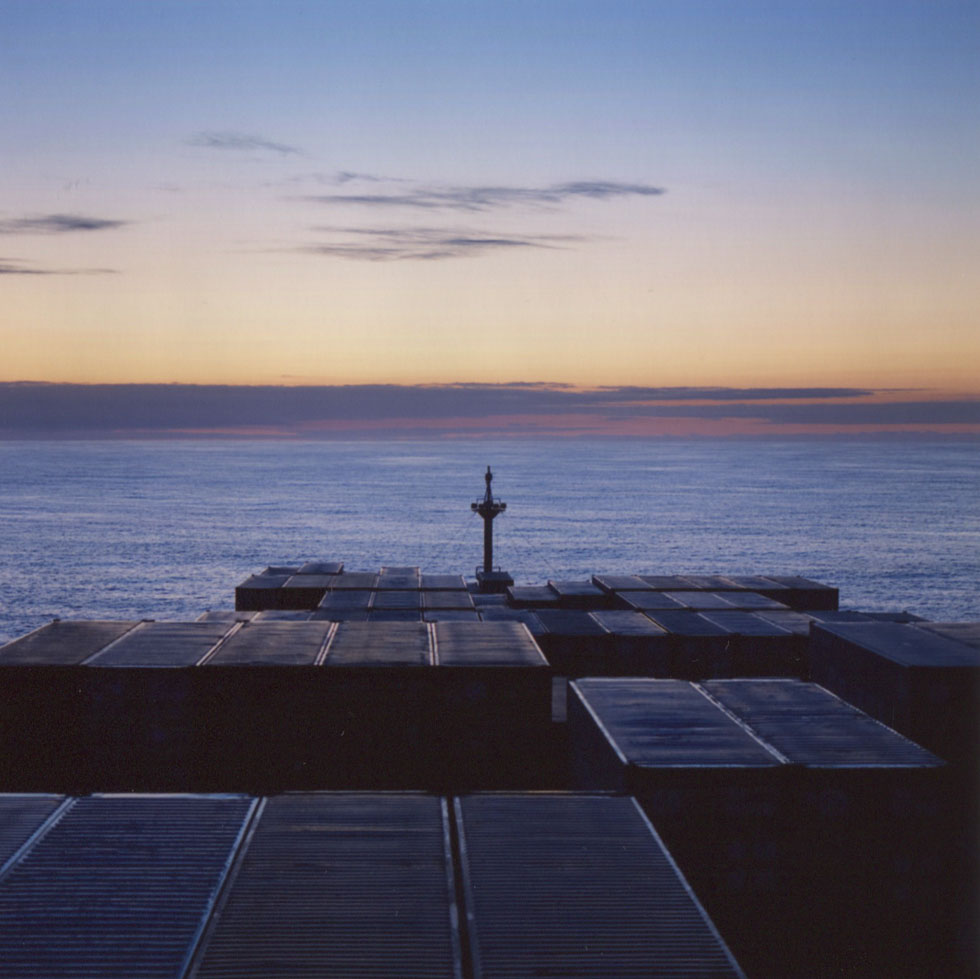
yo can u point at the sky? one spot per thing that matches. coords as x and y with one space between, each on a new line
572 217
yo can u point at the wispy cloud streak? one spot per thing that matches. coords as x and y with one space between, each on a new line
241 142
425 244
56 224
485 198
16 267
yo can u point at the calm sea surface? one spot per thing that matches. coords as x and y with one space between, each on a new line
167 529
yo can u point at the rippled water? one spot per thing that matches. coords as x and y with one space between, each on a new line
167 529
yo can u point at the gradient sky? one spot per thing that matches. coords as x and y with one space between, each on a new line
658 194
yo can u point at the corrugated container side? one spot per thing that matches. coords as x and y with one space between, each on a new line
119 887
340 884
569 885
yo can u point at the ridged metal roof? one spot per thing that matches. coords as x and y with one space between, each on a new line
905 645
570 623
745 623
162 644
351 580
339 885
669 724
683 623
485 644
620 582
62 643
750 601
810 726
578 886
119 887
397 600
379 644
21 816
640 600
445 600
322 567
350 598
700 599
271 643
576 589
623 622
443 582
669 582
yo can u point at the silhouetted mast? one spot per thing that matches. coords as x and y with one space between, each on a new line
488 508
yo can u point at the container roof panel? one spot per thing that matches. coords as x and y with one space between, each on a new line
163 644
271 643
810 726
379 644
62 643
486 644
906 645
669 724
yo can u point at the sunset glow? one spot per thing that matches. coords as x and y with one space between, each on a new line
621 194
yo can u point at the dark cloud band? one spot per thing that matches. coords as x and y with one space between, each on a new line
50 410
54 224
488 198
425 244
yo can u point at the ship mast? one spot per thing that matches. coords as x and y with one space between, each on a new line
488 508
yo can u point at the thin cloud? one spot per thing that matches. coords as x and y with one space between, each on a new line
485 198
241 142
55 224
630 394
425 244
15 267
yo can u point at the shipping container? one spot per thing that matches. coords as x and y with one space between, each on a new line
374 708
117 886
578 885
580 595
259 592
573 642
870 819
494 727
531 596
322 567
760 647
620 582
144 725
42 710
304 591
636 645
923 684
340 884
700 649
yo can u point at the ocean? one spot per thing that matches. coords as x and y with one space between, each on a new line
166 530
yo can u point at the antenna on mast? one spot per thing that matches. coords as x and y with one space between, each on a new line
488 508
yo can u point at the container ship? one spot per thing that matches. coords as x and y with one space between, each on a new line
381 773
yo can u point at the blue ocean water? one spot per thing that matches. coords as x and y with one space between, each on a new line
167 529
